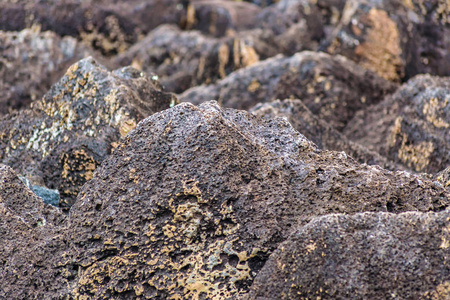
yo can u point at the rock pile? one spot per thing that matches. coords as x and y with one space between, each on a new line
306 158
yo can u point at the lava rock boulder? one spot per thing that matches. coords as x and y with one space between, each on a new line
63 137
333 88
409 127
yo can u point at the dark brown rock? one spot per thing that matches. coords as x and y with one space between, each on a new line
293 25
397 39
67 134
110 26
365 256
183 59
29 242
333 88
411 126
320 132
196 199
31 62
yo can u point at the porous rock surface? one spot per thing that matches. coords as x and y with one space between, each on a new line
31 61
364 256
320 132
63 137
109 26
191 204
29 241
409 127
195 200
333 88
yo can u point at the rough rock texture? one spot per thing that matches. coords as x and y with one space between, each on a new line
31 61
110 26
411 126
320 132
183 59
397 39
67 134
365 256
196 198
333 88
29 240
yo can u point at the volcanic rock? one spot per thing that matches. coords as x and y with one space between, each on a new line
397 39
29 241
195 200
110 26
293 25
333 88
320 132
364 256
67 134
183 59
31 62
411 126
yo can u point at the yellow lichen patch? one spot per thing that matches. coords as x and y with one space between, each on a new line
190 16
431 112
445 243
113 41
417 156
441 292
71 71
254 86
244 55
91 279
395 131
248 55
381 51
311 247
185 255
191 189
126 126
224 56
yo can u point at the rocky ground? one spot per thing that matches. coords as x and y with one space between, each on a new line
206 149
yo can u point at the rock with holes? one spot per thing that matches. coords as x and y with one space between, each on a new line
31 62
30 241
320 132
109 26
195 200
333 88
411 126
364 256
397 39
62 138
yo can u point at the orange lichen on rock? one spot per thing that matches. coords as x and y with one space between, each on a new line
381 52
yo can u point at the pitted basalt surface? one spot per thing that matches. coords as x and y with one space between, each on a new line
195 199
320 132
109 26
30 241
411 126
66 135
364 256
